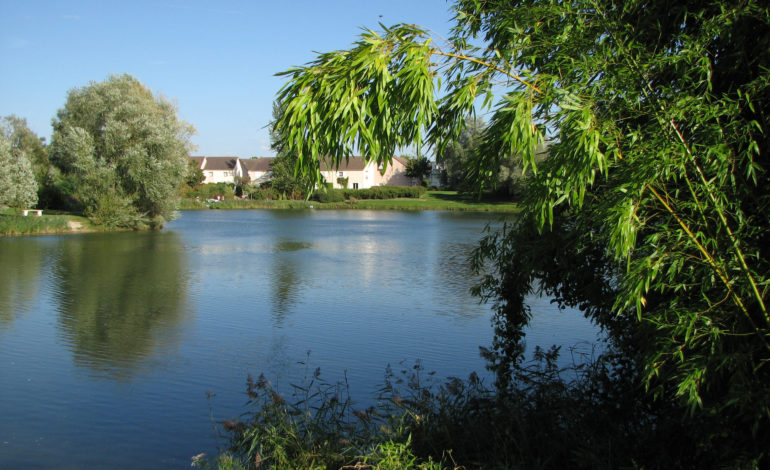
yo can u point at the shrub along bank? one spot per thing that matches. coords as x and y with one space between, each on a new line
580 417
379 198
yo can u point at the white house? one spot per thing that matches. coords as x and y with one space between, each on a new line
257 169
226 169
218 169
362 175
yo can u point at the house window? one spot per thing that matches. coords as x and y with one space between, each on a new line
341 174
211 173
355 185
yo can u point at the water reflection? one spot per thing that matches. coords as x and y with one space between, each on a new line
285 278
20 264
121 298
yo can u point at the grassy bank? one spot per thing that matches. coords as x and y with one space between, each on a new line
13 223
433 200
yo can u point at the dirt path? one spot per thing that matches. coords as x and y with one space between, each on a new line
74 225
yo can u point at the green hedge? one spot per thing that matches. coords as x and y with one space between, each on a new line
209 191
385 192
376 192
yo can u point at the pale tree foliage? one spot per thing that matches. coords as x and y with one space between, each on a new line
125 149
18 187
657 173
23 139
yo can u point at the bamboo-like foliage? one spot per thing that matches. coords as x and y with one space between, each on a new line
657 173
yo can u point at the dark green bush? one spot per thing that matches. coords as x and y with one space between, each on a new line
264 194
386 192
209 191
329 195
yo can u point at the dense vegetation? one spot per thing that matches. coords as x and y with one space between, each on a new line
375 192
118 155
18 187
122 152
650 214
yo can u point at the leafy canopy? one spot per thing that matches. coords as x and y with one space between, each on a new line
18 187
657 174
125 149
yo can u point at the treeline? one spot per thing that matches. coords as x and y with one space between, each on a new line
118 155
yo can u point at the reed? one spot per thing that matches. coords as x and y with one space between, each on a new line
13 224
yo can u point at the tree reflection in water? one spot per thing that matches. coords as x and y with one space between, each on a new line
21 261
121 298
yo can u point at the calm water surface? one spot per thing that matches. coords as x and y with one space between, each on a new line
111 344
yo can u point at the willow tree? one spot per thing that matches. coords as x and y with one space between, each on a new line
124 151
657 114
18 187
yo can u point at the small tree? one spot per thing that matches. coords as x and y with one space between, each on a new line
458 155
286 179
21 137
195 175
419 168
18 187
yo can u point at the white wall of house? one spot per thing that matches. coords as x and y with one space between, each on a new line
394 175
219 176
255 175
357 179
372 175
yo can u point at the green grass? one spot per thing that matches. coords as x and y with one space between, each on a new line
434 200
13 223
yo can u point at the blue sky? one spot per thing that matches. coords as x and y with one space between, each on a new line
215 60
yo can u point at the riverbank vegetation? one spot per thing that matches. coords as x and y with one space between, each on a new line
13 222
118 155
346 199
649 214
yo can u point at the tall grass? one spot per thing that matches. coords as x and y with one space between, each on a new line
12 224
585 416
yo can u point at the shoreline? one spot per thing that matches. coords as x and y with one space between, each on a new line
66 224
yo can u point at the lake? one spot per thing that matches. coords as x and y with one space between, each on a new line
120 350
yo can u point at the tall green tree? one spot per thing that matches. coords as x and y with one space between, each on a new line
25 140
657 174
125 151
418 167
288 178
18 187
458 154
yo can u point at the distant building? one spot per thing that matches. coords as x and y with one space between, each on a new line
226 169
257 169
362 175
218 169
